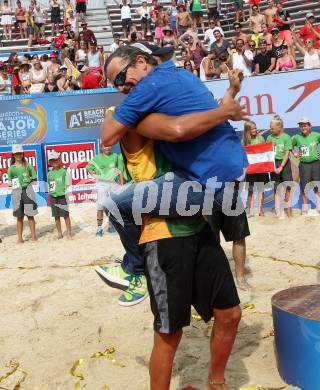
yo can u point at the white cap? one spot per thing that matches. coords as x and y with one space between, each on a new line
304 120
309 15
17 148
53 155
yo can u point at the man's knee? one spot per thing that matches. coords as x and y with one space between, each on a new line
169 341
228 317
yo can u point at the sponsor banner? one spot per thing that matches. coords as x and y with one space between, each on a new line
34 157
74 158
54 117
290 94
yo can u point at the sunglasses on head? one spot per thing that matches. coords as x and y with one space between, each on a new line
120 79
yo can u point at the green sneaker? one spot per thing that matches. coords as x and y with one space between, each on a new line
135 293
114 276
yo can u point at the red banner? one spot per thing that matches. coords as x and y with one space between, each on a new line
5 162
74 157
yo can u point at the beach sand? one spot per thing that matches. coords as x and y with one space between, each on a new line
55 309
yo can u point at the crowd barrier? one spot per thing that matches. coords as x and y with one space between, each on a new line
70 122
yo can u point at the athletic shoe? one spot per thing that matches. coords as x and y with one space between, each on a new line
111 229
99 232
135 293
114 276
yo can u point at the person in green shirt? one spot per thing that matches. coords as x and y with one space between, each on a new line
251 136
309 168
283 173
197 14
58 182
106 168
21 174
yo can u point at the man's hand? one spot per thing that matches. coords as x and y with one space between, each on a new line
235 80
236 111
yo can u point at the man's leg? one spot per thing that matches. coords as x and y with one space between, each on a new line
239 257
161 360
222 339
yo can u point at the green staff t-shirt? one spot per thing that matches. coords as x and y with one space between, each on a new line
21 176
105 167
58 181
282 144
308 146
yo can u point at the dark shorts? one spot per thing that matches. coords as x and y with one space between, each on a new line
197 14
187 271
59 206
214 13
238 5
81 8
233 228
145 24
30 30
21 21
309 172
183 29
55 19
285 174
24 202
126 22
255 181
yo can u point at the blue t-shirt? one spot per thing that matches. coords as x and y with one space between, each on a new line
173 91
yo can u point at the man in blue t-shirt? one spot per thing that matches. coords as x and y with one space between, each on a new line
209 152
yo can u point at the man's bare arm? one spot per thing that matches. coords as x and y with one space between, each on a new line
112 130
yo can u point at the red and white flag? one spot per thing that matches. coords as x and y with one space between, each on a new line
260 157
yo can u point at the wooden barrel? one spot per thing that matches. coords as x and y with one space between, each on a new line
296 319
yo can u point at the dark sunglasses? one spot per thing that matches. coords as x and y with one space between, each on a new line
252 45
120 79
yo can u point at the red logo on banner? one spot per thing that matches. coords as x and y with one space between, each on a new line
5 162
75 157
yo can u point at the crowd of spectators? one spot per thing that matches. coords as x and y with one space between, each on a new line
263 42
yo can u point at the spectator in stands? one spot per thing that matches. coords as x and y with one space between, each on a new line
13 60
81 55
54 67
239 34
95 59
266 35
188 66
6 20
126 20
63 79
88 35
45 61
208 36
72 21
184 20
24 76
286 61
114 46
311 55
270 13
189 36
309 30
154 9
283 22
168 38
145 18
255 181
20 14
256 21
5 81
81 9
67 8
16 84
212 9
252 47
264 61
55 17
39 23
37 73
30 24
149 38
221 45
208 70
172 12
277 43
309 167
184 57
103 55
197 14
51 84
197 54
242 59
90 80
160 22
238 6
223 67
